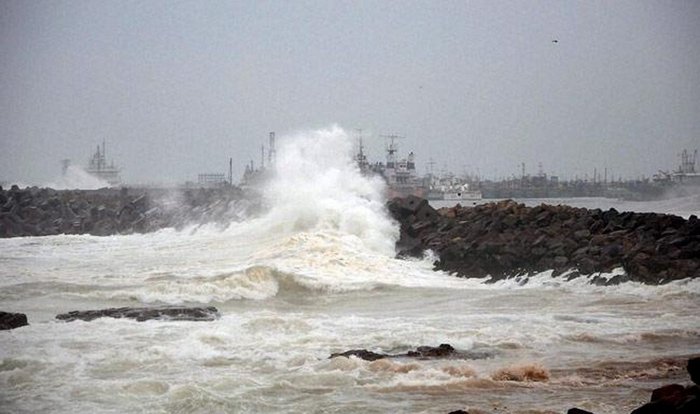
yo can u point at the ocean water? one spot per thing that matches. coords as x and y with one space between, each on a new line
316 274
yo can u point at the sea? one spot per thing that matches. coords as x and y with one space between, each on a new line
315 274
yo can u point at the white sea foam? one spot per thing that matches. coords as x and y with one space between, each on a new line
317 187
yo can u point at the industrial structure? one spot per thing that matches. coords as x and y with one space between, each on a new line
254 176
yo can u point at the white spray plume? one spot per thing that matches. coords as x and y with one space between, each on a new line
76 178
318 186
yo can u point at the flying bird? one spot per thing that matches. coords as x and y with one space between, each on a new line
555 41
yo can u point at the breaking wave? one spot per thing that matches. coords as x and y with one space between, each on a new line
317 187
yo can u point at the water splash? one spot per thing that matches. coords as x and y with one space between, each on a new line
316 186
77 178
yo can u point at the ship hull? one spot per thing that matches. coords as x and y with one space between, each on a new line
394 192
455 196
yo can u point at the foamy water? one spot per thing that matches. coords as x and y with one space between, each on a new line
313 276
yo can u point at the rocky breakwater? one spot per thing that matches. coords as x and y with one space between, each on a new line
44 211
506 239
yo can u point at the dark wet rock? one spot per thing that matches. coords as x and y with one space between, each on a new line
675 398
168 313
656 407
458 412
362 354
506 239
577 411
673 394
694 369
10 320
443 351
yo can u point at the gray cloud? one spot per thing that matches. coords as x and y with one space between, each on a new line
177 87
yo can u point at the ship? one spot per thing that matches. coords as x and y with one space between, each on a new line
99 168
686 176
399 173
450 188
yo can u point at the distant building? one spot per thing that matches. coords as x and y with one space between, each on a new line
211 180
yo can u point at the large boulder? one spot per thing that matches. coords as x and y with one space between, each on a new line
12 320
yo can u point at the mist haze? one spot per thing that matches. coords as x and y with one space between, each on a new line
175 88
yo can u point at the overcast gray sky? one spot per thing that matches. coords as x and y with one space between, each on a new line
177 87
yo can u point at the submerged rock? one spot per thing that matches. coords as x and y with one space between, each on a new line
442 351
445 351
12 320
167 313
361 353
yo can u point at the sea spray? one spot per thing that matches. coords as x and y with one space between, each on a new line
76 178
316 186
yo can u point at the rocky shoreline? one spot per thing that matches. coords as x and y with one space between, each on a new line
507 239
43 211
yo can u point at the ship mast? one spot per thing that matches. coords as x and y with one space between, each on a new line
360 157
391 150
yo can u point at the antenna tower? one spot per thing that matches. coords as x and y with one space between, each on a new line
391 149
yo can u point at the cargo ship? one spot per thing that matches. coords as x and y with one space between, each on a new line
399 173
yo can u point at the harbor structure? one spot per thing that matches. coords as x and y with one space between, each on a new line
252 176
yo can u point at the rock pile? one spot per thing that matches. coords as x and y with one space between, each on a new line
507 238
44 211
10 320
